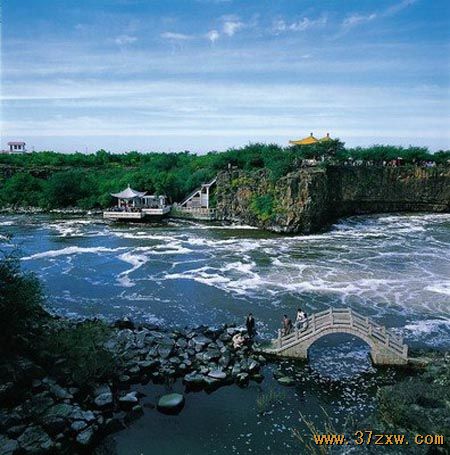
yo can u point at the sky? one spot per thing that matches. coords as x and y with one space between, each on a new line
200 75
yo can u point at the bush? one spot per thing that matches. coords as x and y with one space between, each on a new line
262 206
20 303
81 346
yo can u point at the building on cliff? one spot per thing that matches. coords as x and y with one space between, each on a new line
310 140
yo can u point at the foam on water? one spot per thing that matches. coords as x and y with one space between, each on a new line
395 269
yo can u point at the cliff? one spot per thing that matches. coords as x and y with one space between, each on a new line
308 200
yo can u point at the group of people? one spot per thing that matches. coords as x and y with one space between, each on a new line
301 322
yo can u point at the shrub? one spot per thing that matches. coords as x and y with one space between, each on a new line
263 206
81 346
20 303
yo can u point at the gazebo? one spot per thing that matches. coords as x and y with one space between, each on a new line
127 196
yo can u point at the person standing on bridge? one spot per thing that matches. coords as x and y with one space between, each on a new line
250 324
287 325
301 321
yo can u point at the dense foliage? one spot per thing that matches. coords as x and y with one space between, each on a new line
20 303
27 329
54 180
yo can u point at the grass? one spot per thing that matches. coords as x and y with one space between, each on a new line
266 400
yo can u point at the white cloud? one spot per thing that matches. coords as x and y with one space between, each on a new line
280 25
176 36
357 19
230 27
122 40
399 6
213 36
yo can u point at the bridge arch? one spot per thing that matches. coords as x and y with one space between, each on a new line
386 348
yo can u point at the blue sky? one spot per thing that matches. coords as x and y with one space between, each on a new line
210 74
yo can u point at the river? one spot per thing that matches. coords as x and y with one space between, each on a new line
393 268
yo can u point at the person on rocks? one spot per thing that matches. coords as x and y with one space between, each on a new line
287 325
238 340
250 324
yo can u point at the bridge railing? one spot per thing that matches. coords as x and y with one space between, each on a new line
344 318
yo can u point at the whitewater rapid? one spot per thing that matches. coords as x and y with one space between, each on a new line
393 268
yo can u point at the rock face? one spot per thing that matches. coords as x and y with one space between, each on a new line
310 199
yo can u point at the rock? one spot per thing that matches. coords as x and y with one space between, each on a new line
34 440
253 366
86 437
242 378
78 426
8 446
211 355
58 392
194 380
15 431
59 411
104 400
128 401
286 380
218 375
171 404
165 351
200 342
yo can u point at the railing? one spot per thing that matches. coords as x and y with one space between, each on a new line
344 319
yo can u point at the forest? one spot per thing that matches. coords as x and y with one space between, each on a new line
51 180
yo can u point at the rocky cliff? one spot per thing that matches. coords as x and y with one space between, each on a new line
308 200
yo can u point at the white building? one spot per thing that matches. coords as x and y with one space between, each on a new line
15 147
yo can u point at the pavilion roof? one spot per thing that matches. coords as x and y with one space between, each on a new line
305 141
129 193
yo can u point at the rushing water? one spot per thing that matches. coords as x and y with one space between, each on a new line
395 269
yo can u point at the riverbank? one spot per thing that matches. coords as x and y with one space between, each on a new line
49 408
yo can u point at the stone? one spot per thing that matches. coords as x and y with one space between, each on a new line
34 440
104 400
286 381
128 401
194 380
78 426
171 403
85 438
8 446
58 392
211 355
61 410
124 323
218 375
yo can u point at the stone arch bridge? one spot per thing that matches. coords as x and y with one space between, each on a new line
386 348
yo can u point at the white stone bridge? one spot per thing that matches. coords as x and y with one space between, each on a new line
386 348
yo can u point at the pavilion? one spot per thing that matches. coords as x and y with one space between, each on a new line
308 140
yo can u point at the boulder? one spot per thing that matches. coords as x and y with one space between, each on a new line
218 375
104 400
86 437
171 403
34 440
128 401
8 446
286 381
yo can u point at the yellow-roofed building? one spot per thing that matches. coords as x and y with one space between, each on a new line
310 140
305 141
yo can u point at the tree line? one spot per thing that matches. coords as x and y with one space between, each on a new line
56 180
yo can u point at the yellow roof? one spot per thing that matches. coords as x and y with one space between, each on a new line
305 141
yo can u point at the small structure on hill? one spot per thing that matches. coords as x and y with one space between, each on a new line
310 140
15 147
137 205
